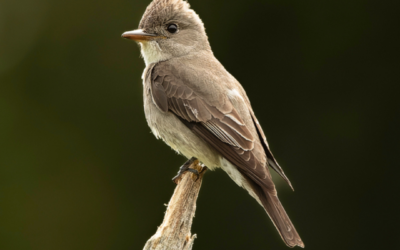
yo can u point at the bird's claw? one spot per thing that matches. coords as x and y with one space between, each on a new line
185 168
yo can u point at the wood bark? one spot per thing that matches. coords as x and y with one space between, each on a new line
174 232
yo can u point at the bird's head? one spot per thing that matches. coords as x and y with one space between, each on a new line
168 29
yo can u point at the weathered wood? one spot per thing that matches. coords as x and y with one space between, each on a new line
174 232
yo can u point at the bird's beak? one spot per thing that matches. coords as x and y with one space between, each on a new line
139 35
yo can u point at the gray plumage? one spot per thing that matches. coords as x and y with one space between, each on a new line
202 111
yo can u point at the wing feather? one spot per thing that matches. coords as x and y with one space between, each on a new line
222 121
270 157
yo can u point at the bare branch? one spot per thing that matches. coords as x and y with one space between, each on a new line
174 233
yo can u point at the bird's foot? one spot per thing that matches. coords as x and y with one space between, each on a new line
185 168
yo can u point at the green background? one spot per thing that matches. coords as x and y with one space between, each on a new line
79 168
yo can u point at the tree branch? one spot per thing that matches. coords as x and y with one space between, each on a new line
174 233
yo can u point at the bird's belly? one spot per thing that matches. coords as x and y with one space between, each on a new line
173 132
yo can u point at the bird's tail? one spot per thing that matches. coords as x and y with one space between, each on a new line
270 201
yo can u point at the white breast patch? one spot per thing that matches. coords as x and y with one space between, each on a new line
152 52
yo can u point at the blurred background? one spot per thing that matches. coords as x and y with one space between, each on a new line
79 168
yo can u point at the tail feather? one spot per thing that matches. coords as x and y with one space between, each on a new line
278 215
252 174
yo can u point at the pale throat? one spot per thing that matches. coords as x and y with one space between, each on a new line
152 53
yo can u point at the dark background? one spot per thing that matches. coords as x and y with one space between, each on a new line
79 168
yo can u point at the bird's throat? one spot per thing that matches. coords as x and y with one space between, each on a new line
152 52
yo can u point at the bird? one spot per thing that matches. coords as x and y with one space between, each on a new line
200 110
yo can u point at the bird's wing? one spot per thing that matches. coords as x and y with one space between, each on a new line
208 104
225 127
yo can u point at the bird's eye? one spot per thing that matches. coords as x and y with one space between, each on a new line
172 28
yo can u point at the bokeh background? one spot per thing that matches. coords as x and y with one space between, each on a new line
79 168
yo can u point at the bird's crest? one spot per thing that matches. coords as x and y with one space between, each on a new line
161 11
